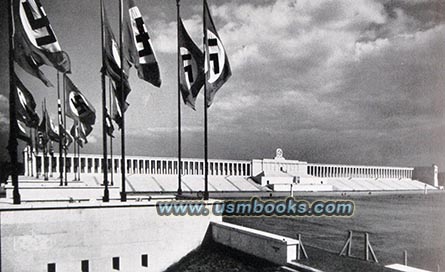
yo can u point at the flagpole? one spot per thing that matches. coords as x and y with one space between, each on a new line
74 151
12 142
45 146
179 101
59 111
206 169
36 141
106 197
122 98
78 156
111 138
64 128
30 162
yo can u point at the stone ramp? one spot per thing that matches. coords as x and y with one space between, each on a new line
367 184
282 250
323 260
190 183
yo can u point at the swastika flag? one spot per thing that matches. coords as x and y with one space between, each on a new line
191 67
36 42
77 106
117 108
25 105
22 134
216 64
113 61
140 48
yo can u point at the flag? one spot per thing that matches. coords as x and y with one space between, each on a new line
28 63
140 49
77 106
116 112
42 132
22 134
80 132
191 67
74 133
51 149
66 138
217 61
25 105
109 128
52 131
84 131
113 62
36 37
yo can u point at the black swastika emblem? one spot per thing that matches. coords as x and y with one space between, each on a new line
188 69
79 104
214 56
143 37
37 23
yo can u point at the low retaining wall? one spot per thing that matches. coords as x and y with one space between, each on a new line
32 192
32 238
274 248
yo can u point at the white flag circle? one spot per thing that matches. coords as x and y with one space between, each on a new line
217 57
22 98
76 98
190 66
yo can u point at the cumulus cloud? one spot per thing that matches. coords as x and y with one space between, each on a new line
359 72
4 102
4 114
162 131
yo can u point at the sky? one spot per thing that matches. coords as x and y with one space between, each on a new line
344 81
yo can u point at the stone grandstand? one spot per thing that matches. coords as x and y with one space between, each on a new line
155 175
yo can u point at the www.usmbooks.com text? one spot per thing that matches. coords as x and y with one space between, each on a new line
257 207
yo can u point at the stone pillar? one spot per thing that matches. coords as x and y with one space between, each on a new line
57 164
26 161
70 159
99 169
50 166
34 165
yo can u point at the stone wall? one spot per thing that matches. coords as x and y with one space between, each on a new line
427 175
32 238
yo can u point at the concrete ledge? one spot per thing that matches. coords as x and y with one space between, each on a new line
272 247
35 192
405 268
302 268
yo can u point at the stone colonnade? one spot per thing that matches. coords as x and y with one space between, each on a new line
135 165
350 171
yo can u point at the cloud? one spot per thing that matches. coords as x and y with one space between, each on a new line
165 33
4 113
92 139
341 75
4 103
157 132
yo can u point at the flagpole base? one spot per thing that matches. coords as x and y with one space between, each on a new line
179 191
16 197
123 197
206 195
106 197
